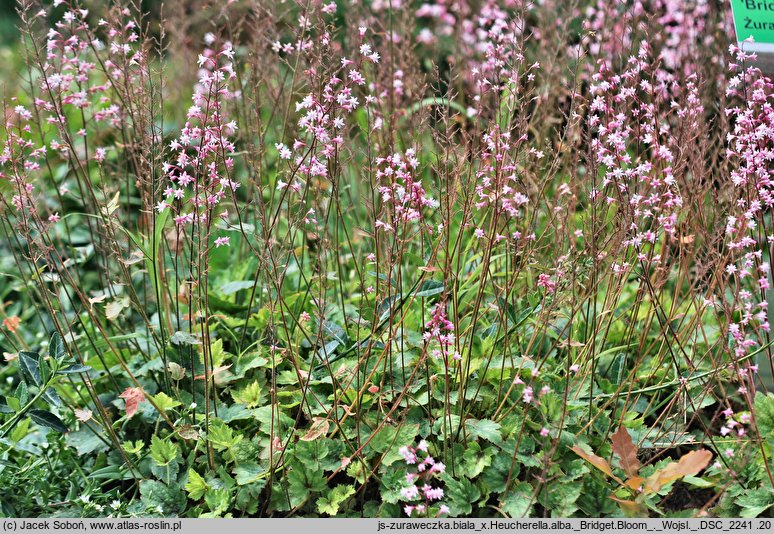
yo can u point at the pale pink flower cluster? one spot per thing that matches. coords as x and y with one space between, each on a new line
632 117
440 329
497 180
401 190
420 481
323 120
751 150
199 174
685 27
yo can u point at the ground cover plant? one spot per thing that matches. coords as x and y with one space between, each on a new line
488 258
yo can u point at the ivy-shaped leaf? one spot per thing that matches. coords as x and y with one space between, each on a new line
196 485
330 503
462 495
764 413
755 501
162 451
159 498
519 502
485 429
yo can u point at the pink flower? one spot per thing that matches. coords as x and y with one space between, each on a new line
544 432
545 281
410 493
222 242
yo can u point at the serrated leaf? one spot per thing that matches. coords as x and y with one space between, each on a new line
764 413
462 494
519 502
159 498
485 428
162 451
196 485
248 473
47 419
755 501
165 402
626 450
330 503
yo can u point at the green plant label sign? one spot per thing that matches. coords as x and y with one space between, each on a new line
754 19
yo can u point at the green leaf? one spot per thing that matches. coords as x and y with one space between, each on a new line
47 419
755 501
159 498
74 369
265 414
303 481
28 362
232 287
4 408
52 397
56 347
165 402
462 495
519 501
222 436
428 288
248 473
45 371
764 412
196 485
162 451
85 441
184 338
330 503
22 393
390 437
486 429
218 501
14 404
475 460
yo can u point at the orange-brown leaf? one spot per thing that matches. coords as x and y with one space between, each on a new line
689 465
133 398
626 450
593 459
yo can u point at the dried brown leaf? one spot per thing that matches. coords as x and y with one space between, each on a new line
626 450
318 429
593 459
689 465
